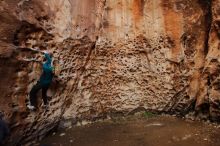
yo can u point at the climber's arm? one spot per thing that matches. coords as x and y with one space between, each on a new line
48 58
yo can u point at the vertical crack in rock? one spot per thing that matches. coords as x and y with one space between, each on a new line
69 97
208 19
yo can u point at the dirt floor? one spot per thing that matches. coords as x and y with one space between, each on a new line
155 131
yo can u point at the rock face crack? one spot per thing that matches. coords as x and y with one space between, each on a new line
208 20
82 69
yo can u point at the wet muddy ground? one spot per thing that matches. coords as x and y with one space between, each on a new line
156 131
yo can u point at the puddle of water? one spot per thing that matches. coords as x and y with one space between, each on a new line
158 131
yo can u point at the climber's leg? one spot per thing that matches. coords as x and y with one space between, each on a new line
4 131
44 94
33 94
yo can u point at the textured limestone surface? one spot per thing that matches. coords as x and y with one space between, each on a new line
111 56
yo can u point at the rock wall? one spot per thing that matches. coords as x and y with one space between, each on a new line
117 56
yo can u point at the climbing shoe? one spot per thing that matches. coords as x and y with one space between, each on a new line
30 107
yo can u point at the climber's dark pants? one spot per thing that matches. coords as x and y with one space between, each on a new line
35 89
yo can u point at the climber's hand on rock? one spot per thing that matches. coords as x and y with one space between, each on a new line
34 49
45 52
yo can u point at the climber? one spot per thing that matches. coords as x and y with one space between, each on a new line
4 130
43 83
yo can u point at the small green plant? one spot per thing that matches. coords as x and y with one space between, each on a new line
148 114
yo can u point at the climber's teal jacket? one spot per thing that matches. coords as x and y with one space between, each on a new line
47 75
